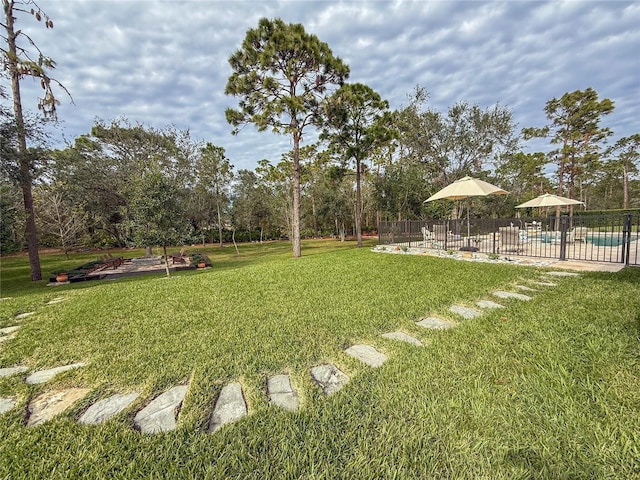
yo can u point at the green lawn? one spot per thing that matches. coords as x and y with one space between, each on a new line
543 389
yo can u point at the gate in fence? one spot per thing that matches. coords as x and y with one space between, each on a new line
613 238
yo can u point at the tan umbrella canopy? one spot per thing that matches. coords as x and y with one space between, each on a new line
549 200
465 188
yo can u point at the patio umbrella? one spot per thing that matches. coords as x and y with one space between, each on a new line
466 188
549 200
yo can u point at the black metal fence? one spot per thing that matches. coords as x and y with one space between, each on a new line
611 238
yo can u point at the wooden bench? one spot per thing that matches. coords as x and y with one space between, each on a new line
179 258
107 261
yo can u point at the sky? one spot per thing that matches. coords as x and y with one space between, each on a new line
165 63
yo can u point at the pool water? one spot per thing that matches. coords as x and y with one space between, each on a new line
605 241
614 240
548 237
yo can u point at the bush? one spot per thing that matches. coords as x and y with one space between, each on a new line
200 257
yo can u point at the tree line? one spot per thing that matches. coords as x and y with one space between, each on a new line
129 184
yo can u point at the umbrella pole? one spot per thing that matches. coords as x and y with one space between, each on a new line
468 227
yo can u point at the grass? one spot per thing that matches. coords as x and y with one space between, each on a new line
542 389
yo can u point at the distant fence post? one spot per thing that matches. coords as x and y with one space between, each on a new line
626 239
564 224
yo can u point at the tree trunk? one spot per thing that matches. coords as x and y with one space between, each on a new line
315 216
295 221
25 164
625 186
219 221
233 238
358 205
166 260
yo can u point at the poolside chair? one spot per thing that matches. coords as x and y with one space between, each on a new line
578 234
439 235
510 240
427 236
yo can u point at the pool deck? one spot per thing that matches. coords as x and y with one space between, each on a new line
537 259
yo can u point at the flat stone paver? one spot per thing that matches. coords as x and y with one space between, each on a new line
488 304
103 410
20 316
544 284
230 407
403 337
329 378
465 312
160 415
9 371
50 404
4 338
55 300
7 403
435 323
367 354
563 274
9 330
524 288
282 394
46 375
519 296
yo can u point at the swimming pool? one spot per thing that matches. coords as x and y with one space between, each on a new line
613 240
549 237
603 240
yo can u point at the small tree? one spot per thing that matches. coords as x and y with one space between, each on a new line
281 73
157 213
59 216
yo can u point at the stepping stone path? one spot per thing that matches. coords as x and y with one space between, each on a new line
161 414
4 338
465 312
488 304
9 330
50 404
329 378
403 337
563 274
435 323
8 333
55 300
367 354
282 394
519 296
230 407
524 288
46 375
9 371
103 410
544 284
7 403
